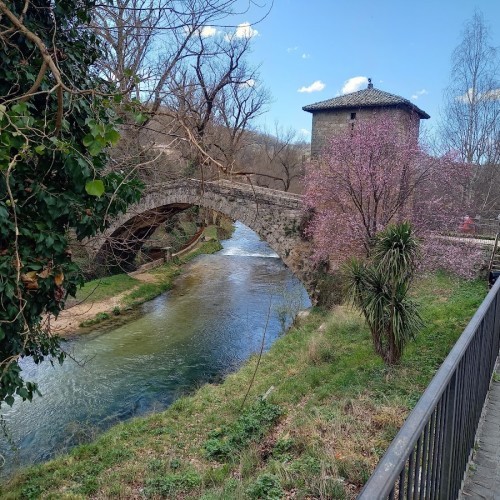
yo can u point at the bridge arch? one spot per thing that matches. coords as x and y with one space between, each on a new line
274 215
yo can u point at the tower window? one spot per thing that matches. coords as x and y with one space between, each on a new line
353 116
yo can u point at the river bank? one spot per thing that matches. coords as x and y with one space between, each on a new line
114 299
330 411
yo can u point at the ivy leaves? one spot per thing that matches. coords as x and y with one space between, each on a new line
100 136
95 188
53 180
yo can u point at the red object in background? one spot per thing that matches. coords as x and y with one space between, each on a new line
467 225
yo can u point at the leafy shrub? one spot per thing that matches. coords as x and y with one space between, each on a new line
283 446
175 463
331 288
250 426
99 318
168 485
265 486
380 290
156 464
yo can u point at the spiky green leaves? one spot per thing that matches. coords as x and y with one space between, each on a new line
379 288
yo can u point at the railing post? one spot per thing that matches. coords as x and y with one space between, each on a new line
448 439
167 255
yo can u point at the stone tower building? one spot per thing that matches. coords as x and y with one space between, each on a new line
335 115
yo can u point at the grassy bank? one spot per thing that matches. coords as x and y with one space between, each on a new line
136 291
332 409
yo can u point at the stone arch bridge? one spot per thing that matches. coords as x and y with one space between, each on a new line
274 215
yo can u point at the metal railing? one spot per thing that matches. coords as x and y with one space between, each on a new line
429 455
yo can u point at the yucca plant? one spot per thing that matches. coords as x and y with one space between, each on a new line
379 288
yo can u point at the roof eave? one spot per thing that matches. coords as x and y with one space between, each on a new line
422 114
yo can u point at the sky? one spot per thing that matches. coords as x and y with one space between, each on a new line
310 51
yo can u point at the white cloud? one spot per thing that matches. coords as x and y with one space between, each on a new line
249 83
316 86
292 49
353 84
244 30
207 31
419 93
467 97
204 31
305 132
306 56
490 95
493 95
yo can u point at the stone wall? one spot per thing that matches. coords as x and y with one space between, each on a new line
326 124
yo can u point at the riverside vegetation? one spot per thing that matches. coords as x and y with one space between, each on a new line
332 407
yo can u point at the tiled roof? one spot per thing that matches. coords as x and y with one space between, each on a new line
366 98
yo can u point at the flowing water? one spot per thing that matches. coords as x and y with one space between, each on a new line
211 321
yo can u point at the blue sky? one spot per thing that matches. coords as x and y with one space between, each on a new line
403 45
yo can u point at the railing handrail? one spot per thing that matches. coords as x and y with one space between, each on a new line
388 469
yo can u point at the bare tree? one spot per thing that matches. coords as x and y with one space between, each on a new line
128 28
188 92
285 155
239 104
471 122
189 76
214 97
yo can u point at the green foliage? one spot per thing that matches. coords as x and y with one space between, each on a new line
171 484
282 449
95 188
250 426
380 290
396 251
266 486
99 318
330 288
52 159
291 229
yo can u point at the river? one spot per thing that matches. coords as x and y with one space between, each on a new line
211 321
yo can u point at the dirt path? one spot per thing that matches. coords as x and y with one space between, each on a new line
69 320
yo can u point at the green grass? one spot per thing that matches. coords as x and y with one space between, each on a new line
165 276
208 247
99 318
110 286
332 411
104 288
211 232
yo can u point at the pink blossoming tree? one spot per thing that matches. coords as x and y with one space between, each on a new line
376 174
